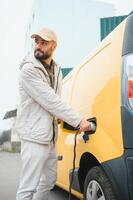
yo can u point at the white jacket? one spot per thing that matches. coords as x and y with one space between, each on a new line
40 104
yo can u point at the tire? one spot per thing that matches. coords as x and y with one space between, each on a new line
97 186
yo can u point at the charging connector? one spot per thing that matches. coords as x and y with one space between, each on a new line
93 122
74 158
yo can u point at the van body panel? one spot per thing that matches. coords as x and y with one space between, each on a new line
94 89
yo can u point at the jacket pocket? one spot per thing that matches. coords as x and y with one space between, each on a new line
44 122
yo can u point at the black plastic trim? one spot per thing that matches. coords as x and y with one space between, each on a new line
117 174
128 37
120 174
75 183
127 126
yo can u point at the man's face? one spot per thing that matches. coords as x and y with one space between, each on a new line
43 49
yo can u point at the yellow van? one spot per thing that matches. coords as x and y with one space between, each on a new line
102 87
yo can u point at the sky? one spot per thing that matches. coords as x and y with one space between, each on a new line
14 16
122 7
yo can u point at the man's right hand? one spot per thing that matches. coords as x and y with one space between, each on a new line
85 125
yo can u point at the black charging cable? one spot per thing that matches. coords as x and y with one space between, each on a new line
93 122
74 159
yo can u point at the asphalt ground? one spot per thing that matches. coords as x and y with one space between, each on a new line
10 166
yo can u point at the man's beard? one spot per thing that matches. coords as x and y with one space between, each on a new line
40 55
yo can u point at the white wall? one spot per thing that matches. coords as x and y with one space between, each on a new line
77 23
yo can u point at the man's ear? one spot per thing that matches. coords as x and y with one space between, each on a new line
54 45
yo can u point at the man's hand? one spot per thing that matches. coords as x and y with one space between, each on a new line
85 125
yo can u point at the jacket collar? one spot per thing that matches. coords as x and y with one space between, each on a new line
38 64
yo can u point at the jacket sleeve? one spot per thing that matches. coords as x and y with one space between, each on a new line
44 95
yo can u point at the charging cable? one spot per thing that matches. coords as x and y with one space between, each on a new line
74 159
85 138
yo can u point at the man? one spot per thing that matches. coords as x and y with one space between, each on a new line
40 107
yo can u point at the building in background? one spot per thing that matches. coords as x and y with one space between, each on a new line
108 24
76 23
9 140
65 71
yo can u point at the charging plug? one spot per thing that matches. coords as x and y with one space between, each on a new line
93 123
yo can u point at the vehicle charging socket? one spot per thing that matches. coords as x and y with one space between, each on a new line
93 123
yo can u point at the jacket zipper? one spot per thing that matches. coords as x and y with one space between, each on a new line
53 138
53 117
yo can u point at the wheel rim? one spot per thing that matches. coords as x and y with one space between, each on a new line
94 191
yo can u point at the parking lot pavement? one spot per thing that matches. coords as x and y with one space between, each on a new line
10 166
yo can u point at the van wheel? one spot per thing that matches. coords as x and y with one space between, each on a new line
97 186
